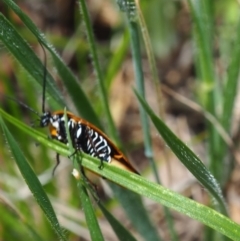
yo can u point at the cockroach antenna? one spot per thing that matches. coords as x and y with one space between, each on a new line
23 105
44 88
44 78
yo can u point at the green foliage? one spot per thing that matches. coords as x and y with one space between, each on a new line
23 216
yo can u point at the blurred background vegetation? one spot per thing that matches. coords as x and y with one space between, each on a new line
170 26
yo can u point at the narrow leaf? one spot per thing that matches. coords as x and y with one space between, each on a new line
86 204
122 233
26 57
186 156
33 182
79 98
151 190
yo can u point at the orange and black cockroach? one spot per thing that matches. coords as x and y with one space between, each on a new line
85 136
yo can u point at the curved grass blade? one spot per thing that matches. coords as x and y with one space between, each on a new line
144 187
168 198
33 182
86 204
77 95
12 219
122 233
19 48
187 157
98 71
135 20
136 212
133 207
36 135
147 231
202 19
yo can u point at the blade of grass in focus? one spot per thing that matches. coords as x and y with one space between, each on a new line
187 157
146 188
33 182
86 203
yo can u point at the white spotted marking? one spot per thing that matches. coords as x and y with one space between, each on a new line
95 138
55 124
99 142
73 123
103 144
79 132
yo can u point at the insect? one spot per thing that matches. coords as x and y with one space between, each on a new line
85 136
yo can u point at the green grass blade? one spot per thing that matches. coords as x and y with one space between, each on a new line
23 127
74 90
169 198
229 96
86 204
130 9
203 47
230 89
133 206
136 212
78 96
145 188
151 59
186 156
117 60
33 182
12 222
131 202
26 57
122 233
34 234
131 16
90 215
200 11
139 79
111 129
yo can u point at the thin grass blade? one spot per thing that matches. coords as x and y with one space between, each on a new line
77 95
230 89
187 157
111 129
33 182
117 60
86 203
168 198
90 215
200 12
122 233
26 57
136 212
151 190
